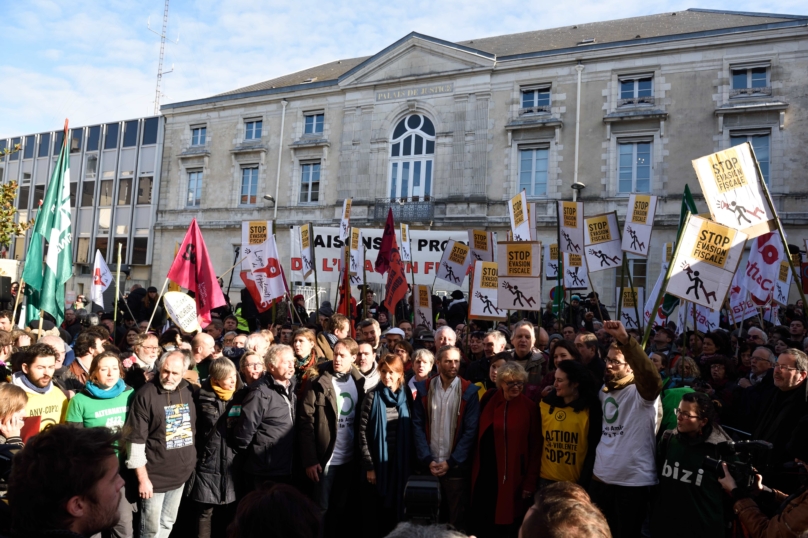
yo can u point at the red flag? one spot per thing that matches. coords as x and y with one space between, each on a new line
396 288
193 270
388 240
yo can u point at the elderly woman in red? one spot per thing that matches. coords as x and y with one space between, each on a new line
506 464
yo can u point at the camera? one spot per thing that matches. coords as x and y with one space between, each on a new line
747 453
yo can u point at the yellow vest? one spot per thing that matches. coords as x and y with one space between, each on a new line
564 436
52 407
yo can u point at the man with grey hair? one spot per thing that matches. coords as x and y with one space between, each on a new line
162 421
780 414
493 343
265 428
523 340
258 342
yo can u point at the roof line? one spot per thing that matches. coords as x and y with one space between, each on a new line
803 21
254 93
748 13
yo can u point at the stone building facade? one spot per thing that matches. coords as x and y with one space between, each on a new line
448 132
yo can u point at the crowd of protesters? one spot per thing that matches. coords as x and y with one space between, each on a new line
313 424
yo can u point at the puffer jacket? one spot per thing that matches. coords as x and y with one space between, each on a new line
266 427
790 521
216 452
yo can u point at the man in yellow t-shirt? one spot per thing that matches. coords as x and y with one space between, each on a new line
45 400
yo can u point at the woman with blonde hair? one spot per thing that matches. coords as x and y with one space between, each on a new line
12 410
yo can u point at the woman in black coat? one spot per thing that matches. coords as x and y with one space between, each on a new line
217 406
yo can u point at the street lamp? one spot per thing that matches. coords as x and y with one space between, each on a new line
577 186
271 199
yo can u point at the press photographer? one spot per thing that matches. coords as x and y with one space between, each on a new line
791 517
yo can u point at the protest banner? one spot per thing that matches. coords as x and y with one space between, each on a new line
602 242
576 275
571 227
253 232
705 262
483 301
423 306
551 261
455 263
520 222
519 258
639 224
306 254
181 308
345 221
482 245
357 253
404 248
762 267
782 285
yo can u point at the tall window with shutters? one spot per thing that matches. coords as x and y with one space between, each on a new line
412 155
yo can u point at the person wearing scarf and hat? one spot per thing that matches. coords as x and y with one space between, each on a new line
301 314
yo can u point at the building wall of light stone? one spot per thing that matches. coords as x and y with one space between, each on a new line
476 154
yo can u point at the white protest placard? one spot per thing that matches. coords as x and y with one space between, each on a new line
357 252
782 286
423 306
182 309
519 293
639 224
602 242
571 223
455 263
741 306
306 254
520 223
551 261
345 222
576 275
485 288
633 300
519 258
734 190
705 262
482 245
253 233
404 248
706 320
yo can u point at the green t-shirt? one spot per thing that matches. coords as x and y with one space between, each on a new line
95 412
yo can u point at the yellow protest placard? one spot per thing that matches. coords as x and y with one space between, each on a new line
713 243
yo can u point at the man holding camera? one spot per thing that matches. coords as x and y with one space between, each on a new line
786 406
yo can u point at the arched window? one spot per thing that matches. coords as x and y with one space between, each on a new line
412 154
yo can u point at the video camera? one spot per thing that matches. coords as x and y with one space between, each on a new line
748 453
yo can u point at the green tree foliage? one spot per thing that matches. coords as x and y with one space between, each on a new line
8 194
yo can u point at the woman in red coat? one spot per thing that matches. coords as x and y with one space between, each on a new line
506 464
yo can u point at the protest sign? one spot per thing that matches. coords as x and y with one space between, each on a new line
520 222
482 245
455 263
639 224
483 301
602 242
551 261
182 310
576 275
571 223
423 306
633 301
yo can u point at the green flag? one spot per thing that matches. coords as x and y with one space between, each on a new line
53 225
688 206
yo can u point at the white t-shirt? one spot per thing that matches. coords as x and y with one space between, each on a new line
346 407
627 448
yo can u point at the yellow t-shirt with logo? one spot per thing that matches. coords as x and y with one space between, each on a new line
51 406
564 436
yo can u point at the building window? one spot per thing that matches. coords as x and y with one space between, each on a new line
130 134
44 145
74 187
309 183
28 151
636 90
533 171
150 131
252 129
634 167
194 197
94 133
140 247
535 100
111 140
638 269
314 124
76 136
105 193
58 140
249 185
91 169
16 155
412 157
144 190
198 135
125 191
761 143
750 81
22 198
87 194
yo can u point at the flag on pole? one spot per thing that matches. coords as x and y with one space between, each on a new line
102 278
388 240
396 288
192 269
53 225
688 207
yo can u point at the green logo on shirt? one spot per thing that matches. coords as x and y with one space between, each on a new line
606 411
346 397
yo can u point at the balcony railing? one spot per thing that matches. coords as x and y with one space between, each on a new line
543 109
415 209
748 92
633 101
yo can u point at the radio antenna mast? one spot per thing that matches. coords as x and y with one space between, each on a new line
162 54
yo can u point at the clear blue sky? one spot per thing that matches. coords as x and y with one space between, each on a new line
94 61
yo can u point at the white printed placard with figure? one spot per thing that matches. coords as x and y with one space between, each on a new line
551 261
484 295
357 253
455 263
633 302
783 284
423 306
519 293
519 258
571 224
482 245
706 262
602 242
734 190
639 224
576 275
520 221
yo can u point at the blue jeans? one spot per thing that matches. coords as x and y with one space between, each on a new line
158 514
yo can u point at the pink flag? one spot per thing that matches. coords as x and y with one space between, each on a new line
763 267
192 269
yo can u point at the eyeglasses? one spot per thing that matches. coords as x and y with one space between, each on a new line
252 365
150 348
679 413
615 362
514 384
759 359
786 368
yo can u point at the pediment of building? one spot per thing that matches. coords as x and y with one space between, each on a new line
417 56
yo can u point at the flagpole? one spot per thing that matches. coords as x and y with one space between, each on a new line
154 310
117 290
636 302
17 299
560 260
314 263
41 321
412 274
364 287
622 283
233 267
661 293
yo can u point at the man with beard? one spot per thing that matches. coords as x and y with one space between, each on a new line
372 334
65 482
366 363
162 422
533 361
624 460
45 400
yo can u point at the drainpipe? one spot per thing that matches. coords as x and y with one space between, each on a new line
578 68
280 155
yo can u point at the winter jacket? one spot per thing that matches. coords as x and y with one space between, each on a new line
266 427
216 453
536 366
790 521
317 425
465 436
686 483
74 377
517 442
